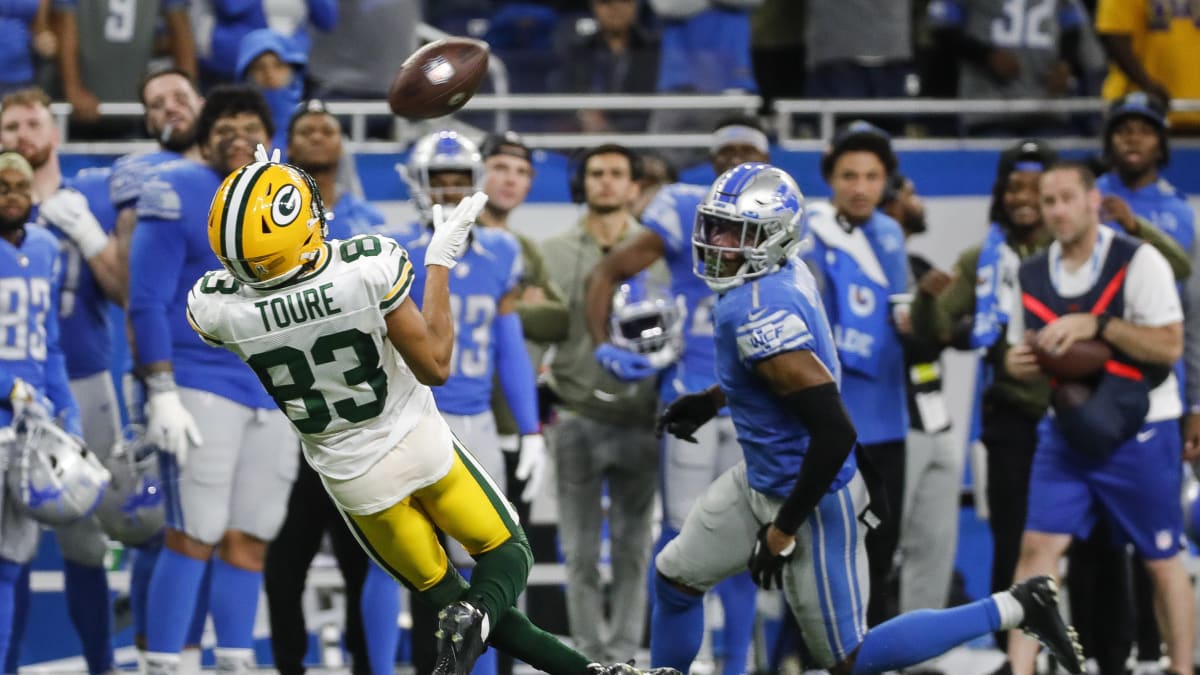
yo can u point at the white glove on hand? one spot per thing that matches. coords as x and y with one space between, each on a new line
68 211
531 467
450 234
169 425
27 400
260 154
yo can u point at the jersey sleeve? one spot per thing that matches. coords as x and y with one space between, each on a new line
662 218
771 330
125 183
203 311
389 275
157 253
516 266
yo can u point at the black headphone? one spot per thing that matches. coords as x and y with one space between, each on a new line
892 187
579 163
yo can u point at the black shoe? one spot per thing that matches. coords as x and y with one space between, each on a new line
627 669
1039 598
459 637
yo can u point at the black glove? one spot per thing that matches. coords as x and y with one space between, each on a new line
766 568
685 415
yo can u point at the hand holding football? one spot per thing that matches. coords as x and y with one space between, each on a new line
438 78
1080 361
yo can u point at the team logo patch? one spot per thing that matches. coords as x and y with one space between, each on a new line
862 300
286 206
1163 540
438 70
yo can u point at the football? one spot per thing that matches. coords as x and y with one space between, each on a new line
1081 360
438 78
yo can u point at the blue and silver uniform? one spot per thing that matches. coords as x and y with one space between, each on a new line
778 313
170 251
30 285
670 215
489 270
84 310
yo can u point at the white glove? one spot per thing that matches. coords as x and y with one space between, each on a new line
169 425
27 400
260 154
531 467
450 234
68 211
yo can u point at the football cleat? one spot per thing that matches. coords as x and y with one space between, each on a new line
1039 598
460 639
627 669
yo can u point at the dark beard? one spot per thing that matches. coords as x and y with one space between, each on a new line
177 142
7 225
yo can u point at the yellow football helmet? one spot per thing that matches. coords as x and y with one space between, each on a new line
266 222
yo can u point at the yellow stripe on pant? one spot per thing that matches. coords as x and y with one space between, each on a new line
464 504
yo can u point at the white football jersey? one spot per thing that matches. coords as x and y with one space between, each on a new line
320 347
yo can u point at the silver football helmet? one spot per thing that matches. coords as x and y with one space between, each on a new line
51 475
440 151
132 509
647 319
749 223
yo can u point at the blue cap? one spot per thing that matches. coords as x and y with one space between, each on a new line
1140 104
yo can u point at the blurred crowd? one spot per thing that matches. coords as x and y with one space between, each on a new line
84 52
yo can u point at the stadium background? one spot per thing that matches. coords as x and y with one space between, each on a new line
954 183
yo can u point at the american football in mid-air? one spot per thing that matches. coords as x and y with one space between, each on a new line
438 78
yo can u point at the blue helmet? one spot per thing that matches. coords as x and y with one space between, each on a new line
436 152
750 218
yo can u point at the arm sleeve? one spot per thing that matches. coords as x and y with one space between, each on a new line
936 317
391 276
1176 257
769 331
58 389
517 378
156 255
831 440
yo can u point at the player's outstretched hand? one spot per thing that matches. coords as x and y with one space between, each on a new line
686 414
766 567
531 467
68 211
450 233
169 425
623 364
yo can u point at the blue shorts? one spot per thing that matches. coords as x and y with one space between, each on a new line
1136 488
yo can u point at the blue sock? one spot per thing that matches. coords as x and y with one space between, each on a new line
737 594
676 627
172 597
380 608
10 573
916 636
144 558
200 614
20 616
664 537
87 603
233 602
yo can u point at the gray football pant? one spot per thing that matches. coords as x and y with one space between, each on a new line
929 530
589 454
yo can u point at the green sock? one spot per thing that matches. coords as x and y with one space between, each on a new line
499 577
516 636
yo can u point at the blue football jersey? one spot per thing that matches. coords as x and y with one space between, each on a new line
84 308
489 269
777 313
30 282
671 215
353 216
169 253
1160 203
130 172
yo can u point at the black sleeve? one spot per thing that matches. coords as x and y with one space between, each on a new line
831 440
1068 50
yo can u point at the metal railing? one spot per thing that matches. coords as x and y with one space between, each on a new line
826 112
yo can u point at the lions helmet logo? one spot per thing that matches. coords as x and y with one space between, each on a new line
862 300
286 207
